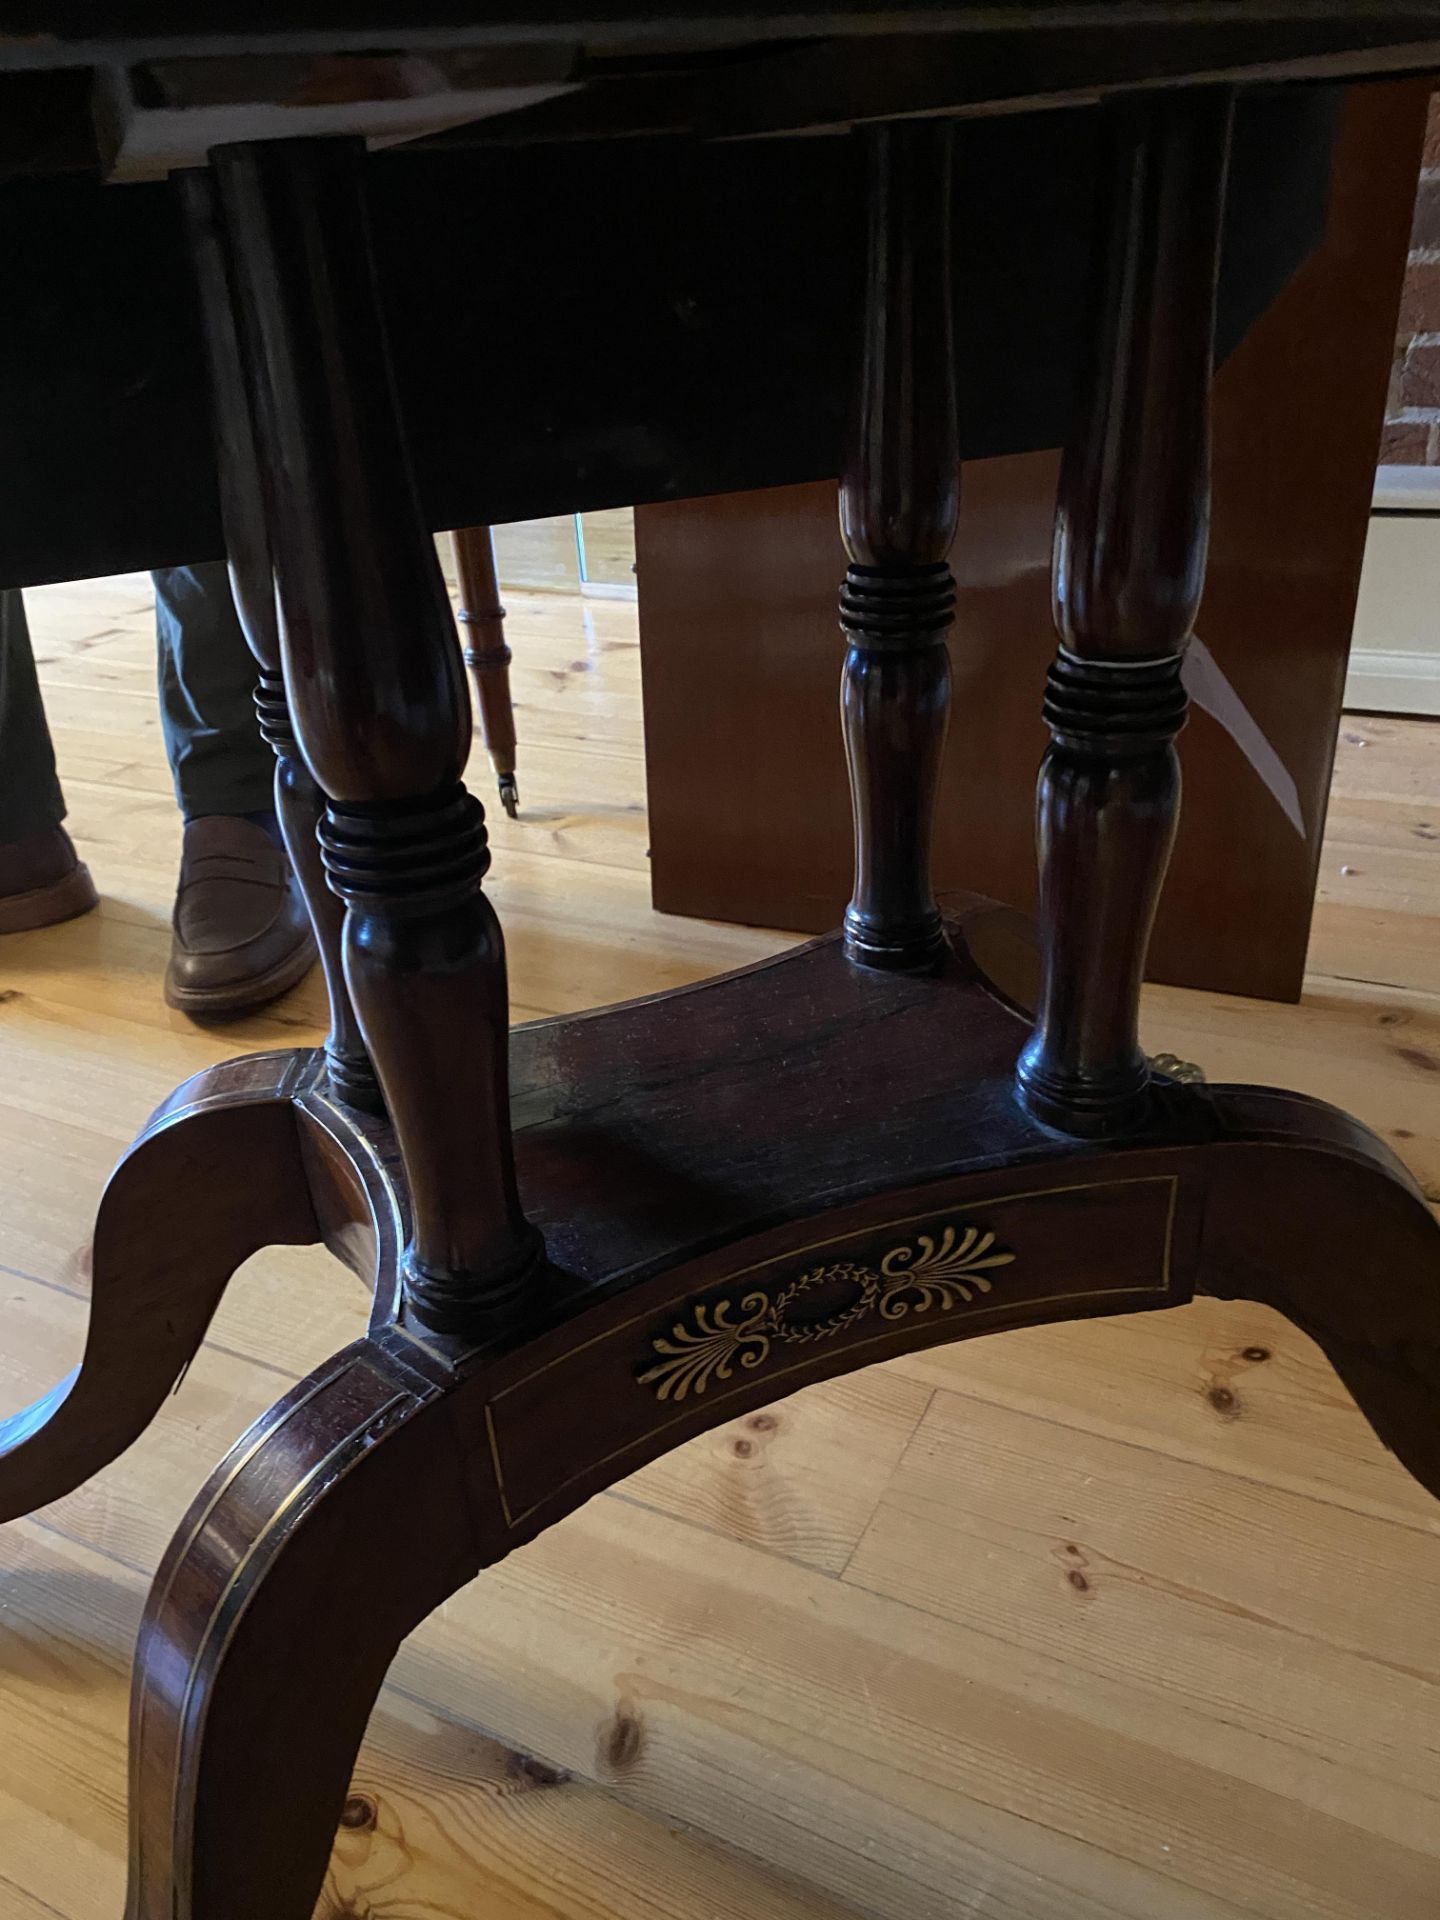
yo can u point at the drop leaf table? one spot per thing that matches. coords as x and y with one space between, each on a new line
592 1238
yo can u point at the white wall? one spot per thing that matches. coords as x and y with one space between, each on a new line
1395 653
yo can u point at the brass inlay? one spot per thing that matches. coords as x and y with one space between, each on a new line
802 1365
225 1615
710 1341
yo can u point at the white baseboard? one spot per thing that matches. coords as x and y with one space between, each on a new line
1394 680
1406 490
1395 648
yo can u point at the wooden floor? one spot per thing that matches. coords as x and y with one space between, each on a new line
1125 1619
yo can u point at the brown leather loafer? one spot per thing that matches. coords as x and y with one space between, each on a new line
42 881
241 933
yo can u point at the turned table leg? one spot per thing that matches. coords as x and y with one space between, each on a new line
898 502
298 801
486 653
1132 522
377 691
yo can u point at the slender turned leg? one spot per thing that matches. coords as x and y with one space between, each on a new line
898 502
487 655
298 801
1132 522
378 695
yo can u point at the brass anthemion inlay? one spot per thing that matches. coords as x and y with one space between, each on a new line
710 1341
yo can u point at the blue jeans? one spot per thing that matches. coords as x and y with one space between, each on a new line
217 759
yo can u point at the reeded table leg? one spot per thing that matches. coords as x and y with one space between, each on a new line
377 691
1131 528
298 801
486 653
898 502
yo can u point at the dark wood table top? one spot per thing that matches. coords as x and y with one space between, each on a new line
56 33
730 69
702 342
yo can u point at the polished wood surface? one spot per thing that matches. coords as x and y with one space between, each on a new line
830 1595
482 623
675 1318
713 391
299 802
156 1302
735 68
1291 495
385 728
1132 528
667 1318
898 502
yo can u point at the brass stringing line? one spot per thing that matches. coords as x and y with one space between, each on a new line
809 1364
352 1440
374 1179
494 1441
239 1467
277 1093
1261 1143
630 1446
894 1335
835 1240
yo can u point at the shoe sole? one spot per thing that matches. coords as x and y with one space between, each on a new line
244 996
63 899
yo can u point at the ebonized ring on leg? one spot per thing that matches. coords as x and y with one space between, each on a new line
1132 524
1108 799
384 727
895 697
898 501
298 800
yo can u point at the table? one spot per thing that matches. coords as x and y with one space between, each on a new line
600 1235
1293 430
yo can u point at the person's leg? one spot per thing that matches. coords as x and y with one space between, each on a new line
30 798
41 881
218 761
241 932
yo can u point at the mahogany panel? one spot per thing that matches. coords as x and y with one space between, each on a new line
748 800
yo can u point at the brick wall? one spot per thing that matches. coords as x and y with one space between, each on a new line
1412 413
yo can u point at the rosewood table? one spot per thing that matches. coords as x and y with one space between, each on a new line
592 1238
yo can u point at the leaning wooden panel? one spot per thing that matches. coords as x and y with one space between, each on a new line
751 578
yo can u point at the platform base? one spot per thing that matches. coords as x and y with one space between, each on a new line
774 1177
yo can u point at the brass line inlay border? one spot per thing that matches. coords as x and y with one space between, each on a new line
835 1240
353 1443
807 1364
240 1463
